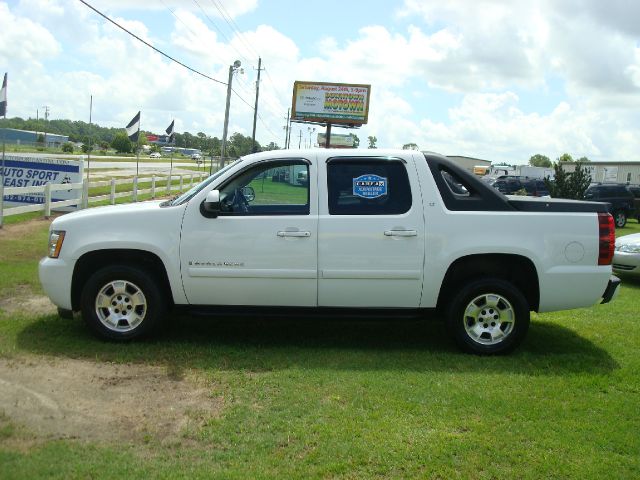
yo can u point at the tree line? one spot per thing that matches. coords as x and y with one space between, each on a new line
105 137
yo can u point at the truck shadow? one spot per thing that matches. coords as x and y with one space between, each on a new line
272 344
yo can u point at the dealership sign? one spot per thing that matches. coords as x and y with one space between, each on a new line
32 171
331 102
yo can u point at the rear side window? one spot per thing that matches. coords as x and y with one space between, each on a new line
368 187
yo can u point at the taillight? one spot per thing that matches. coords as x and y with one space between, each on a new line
607 238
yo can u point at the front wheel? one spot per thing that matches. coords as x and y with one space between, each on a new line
488 316
120 302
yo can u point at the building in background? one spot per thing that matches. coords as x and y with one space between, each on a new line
609 172
469 163
27 137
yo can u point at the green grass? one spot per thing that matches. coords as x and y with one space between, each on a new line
270 192
353 399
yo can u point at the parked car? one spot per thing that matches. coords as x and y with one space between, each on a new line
155 155
511 184
635 190
626 257
617 195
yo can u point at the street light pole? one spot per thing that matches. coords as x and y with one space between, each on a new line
223 150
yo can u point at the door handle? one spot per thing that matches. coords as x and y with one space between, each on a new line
400 233
294 234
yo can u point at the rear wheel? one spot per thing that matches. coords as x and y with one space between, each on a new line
120 302
488 316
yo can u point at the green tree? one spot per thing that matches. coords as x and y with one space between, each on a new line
372 141
565 157
121 143
67 147
410 146
571 185
583 160
539 160
271 146
356 140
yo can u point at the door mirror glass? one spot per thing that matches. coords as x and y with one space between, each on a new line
249 193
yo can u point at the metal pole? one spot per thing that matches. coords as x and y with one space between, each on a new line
286 128
255 109
138 146
223 149
89 150
327 141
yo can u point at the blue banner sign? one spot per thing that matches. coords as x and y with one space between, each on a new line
370 186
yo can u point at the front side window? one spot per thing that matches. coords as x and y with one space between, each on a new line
271 188
368 187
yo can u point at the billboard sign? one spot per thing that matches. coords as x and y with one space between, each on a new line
337 140
35 171
330 102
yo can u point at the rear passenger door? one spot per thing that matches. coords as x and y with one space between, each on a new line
370 233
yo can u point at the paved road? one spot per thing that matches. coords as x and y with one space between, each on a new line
146 165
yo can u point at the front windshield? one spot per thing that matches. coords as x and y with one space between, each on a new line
188 195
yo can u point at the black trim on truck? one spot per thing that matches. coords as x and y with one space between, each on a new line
461 190
612 286
527 204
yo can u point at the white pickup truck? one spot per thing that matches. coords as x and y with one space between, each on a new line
335 232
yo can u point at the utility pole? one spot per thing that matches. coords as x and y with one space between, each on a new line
255 110
89 149
223 149
46 119
286 128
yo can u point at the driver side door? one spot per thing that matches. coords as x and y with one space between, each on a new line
262 248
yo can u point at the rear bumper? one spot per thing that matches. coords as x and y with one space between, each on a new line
612 289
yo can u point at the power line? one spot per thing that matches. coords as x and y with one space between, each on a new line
234 27
179 19
220 31
151 46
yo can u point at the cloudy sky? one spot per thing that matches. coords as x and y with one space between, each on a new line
493 79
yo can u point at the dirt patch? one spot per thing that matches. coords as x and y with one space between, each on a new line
22 300
24 229
79 399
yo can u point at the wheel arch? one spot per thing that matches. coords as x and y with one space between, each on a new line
92 261
517 269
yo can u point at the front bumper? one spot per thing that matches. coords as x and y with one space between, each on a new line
612 289
55 276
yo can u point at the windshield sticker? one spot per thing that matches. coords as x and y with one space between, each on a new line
370 186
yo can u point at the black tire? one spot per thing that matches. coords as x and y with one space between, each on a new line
138 301
495 329
620 218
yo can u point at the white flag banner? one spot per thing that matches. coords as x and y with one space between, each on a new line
133 128
3 97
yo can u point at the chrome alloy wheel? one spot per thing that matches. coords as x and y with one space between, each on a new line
120 305
489 319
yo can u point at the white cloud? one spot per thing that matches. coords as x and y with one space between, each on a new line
218 8
24 41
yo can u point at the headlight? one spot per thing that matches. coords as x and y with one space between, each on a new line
56 237
628 248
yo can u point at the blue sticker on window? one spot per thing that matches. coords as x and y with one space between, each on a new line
370 186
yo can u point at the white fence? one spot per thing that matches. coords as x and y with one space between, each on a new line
83 200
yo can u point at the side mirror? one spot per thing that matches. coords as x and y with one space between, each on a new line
249 193
211 205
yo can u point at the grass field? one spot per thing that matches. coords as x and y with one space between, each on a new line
347 399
